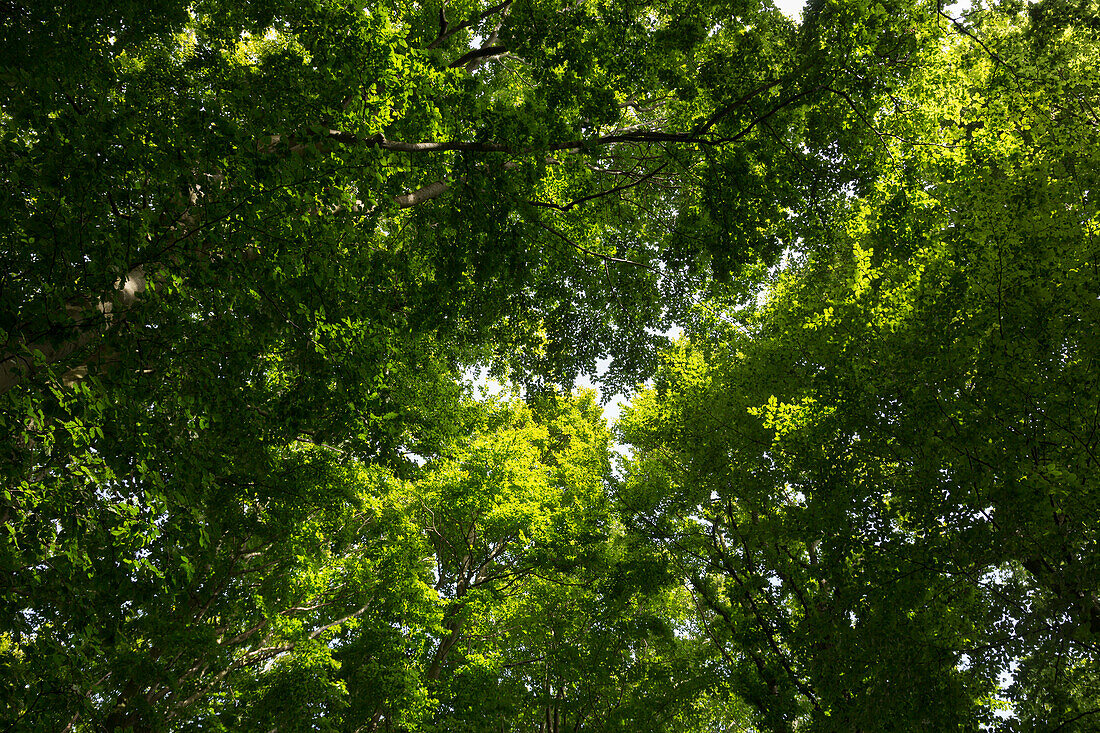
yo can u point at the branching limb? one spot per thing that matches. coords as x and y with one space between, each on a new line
966 32
354 614
447 32
859 113
711 121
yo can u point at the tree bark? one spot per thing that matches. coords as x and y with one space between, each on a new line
107 312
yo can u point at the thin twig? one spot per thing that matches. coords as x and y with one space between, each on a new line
590 253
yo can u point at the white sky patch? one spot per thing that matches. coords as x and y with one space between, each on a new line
483 386
614 405
791 8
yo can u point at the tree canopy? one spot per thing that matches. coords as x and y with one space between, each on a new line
846 265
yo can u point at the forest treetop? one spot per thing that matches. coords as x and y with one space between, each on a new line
588 163
250 247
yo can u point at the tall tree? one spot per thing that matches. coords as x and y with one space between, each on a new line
552 620
249 249
879 483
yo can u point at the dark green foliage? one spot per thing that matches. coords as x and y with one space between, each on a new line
248 251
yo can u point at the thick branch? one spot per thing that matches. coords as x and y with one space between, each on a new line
489 45
446 32
478 54
108 311
421 195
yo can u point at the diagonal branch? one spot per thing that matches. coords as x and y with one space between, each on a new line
966 32
764 117
446 32
590 253
478 55
711 121
859 113
617 189
354 614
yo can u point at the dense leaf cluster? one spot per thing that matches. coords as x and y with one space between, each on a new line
249 252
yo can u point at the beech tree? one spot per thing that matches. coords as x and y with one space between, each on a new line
250 249
879 481
283 148
236 231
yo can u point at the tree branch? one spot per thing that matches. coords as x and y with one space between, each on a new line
590 253
446 32
719 114
108 311
966 32
421 195
478 54
354 614
584 199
